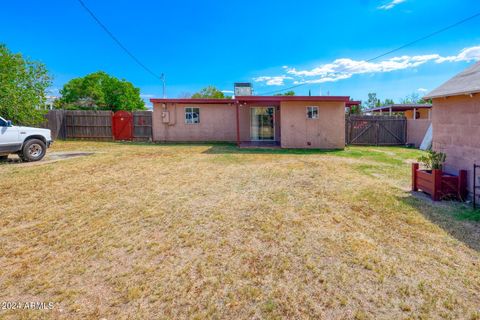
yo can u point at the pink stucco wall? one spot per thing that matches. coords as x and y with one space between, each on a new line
416 130
217 123
456 132
326 132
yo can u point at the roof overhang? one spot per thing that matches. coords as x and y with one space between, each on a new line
453 94
400 107
260 99
196 101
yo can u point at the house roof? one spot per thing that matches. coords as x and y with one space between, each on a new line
400 107
259 99
466 82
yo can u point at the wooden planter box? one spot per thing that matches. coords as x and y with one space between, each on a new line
439 184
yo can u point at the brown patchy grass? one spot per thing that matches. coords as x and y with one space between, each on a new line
209 231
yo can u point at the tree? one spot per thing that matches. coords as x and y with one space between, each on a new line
210 92
288 93
388 102
412 98
373 101
100 91
22 88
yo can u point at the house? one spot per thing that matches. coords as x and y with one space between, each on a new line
285 121
418 119
410 111
456 121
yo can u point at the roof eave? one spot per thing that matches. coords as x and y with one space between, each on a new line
453 94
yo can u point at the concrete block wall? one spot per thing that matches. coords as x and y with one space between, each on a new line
456 132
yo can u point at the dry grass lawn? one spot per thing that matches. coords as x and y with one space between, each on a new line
140 231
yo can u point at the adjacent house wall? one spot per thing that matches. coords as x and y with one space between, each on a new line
456 132
416 130
423 113
326 132
217 123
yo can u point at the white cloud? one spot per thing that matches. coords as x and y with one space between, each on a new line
345 68
227 91
467 54
146 96
422 90
273 81
390 5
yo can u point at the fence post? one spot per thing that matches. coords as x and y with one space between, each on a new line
437 184
462 184
414 176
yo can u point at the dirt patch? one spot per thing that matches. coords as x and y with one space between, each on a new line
49 158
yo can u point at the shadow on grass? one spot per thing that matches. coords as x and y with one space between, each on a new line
456 218
233 149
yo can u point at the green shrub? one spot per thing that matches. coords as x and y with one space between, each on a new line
433 160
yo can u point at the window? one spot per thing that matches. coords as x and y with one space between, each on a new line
192 115
3 123
312 112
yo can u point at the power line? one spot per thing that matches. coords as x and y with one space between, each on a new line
114 38
389 52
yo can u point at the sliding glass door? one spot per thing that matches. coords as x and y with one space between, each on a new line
262 123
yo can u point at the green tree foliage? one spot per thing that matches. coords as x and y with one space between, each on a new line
100 91
414 98
373 101
22 88
210 92
388 102
288 93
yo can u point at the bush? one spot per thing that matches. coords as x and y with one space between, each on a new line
433 160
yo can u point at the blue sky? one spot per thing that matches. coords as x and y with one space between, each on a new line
274 44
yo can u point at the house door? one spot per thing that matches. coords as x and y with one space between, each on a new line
262 124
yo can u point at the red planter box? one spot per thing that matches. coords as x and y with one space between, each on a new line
439 184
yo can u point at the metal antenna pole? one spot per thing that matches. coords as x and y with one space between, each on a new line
163 83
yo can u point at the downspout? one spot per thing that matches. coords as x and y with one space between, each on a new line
238 122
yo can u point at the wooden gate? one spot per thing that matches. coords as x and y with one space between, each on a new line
122 125
142 125
376 130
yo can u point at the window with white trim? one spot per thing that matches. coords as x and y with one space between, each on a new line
312 112
192 115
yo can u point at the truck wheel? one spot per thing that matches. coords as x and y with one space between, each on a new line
33 150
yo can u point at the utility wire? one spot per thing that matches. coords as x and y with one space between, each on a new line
114 38
388 52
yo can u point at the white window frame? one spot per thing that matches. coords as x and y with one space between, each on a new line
308 108
191 112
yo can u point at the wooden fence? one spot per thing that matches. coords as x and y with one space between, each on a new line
142 125
94 125
375 130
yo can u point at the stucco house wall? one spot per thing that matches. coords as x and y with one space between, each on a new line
422 112
456 132
326 132
416 130
217 123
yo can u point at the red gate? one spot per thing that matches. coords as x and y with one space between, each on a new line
122 125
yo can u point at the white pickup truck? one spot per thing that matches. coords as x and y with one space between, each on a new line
29 143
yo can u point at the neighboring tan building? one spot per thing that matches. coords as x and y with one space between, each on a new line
410 111
456 121
285 121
